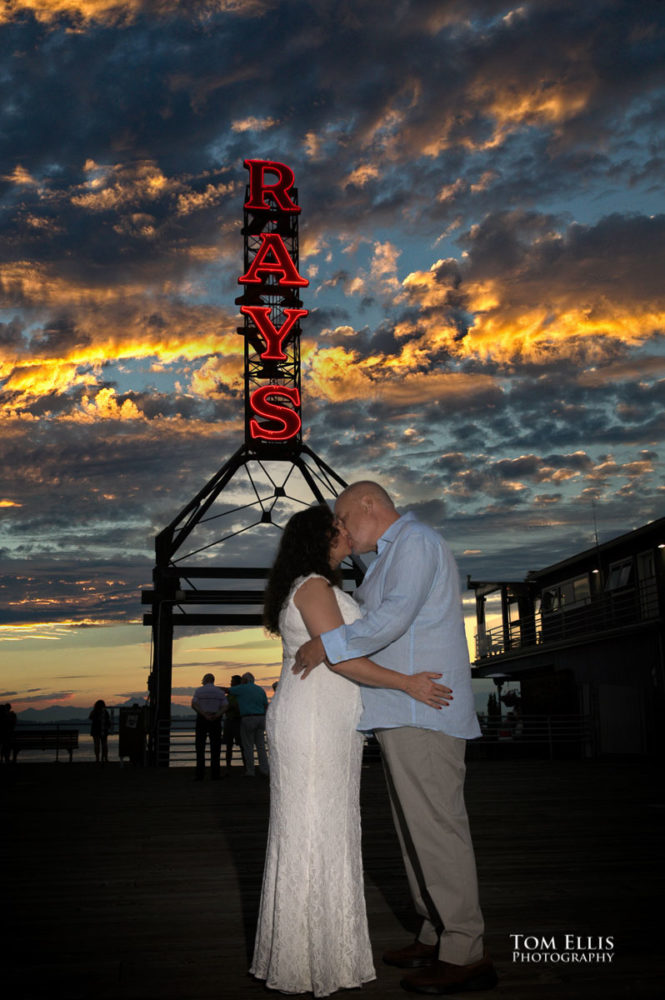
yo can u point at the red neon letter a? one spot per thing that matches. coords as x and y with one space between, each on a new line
279 191
273 337
263 407
274 247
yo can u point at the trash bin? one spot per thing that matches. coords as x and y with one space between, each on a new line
131 734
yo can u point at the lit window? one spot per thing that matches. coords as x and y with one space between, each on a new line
620 574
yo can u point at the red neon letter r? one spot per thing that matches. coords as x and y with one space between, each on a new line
279 191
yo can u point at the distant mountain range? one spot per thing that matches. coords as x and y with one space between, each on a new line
78 714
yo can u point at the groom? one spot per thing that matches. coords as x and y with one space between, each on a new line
412 620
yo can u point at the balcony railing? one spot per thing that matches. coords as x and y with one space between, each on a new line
611 610
548 730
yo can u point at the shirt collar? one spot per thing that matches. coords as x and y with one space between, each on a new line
391 533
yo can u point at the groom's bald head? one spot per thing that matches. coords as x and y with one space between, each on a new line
368 488
365 510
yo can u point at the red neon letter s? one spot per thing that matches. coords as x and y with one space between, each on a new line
279 191
273 337
272 244
261 405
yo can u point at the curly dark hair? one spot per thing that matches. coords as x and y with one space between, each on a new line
303 549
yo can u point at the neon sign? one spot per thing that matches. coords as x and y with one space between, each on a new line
262 267
272 336
262 402
259 188
270 305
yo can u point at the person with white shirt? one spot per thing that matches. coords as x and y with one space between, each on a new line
412 620
209 703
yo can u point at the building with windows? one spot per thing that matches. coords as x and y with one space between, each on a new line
585 638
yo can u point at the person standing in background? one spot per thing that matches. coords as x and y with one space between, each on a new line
252 705
232 723
209 703
100 724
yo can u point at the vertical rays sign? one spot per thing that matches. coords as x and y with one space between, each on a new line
272 309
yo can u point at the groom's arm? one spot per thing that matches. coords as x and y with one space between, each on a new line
407 585
319 609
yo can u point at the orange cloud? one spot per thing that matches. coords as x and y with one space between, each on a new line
43 379
105 406
545 102
496 96
111 187
109 324
195 200
339 373
529 321
361 176
87 10
119 11
253 124
19 175
218 373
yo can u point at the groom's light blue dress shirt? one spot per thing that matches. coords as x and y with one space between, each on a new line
411 621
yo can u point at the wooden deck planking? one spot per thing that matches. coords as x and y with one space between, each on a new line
140 884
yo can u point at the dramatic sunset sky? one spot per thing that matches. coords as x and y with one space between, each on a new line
482 227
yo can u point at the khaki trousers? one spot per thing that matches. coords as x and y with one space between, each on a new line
425 774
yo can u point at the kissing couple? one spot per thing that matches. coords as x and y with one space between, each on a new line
352 665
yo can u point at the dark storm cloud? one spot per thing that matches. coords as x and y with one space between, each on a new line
76 589
431 512
171 90
442 127
100 488
607 258
557 409
11 335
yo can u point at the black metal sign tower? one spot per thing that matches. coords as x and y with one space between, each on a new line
201 577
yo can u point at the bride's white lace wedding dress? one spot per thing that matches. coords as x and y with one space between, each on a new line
312 930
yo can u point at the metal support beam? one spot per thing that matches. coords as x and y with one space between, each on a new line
177 602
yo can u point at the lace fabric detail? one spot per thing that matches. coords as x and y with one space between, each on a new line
312 930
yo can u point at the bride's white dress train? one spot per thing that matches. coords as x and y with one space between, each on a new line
312 930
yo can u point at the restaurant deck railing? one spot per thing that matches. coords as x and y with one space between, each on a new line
602 613
542 733
537 734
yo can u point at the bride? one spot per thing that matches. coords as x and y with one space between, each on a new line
312 928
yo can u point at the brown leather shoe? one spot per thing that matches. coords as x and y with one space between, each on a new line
444 977
414 956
